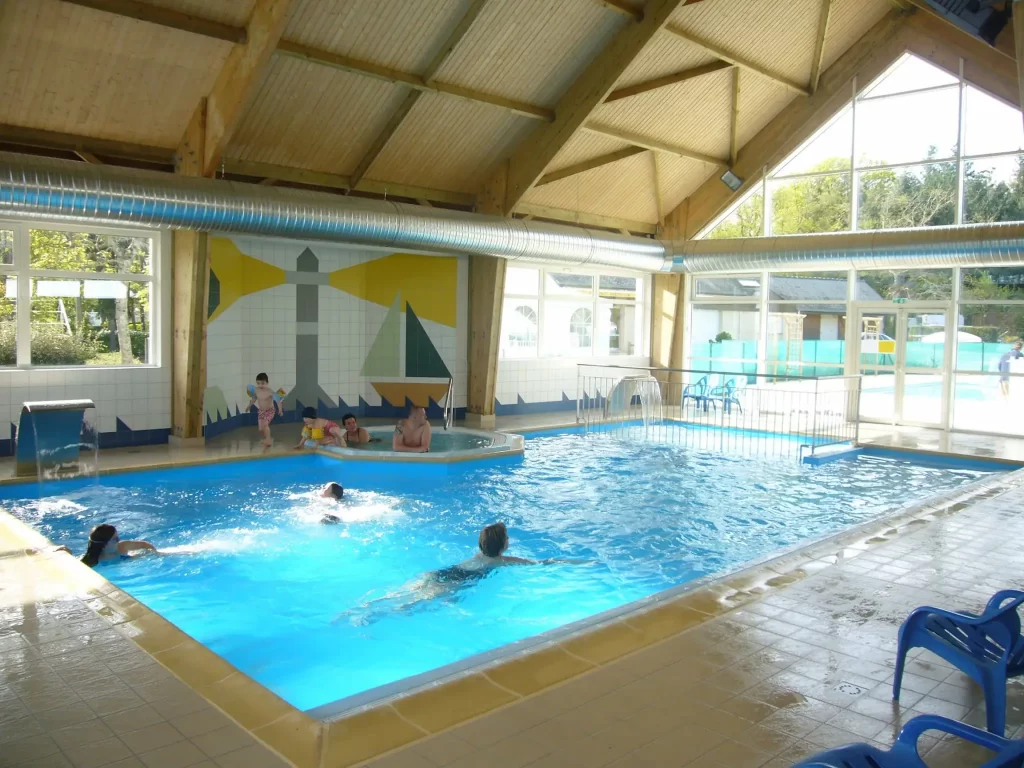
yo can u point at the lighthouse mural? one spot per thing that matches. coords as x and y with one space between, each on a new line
401 364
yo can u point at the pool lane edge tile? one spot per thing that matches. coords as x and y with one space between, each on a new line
365 736
440 707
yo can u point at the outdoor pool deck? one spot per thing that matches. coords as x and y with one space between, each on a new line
757 669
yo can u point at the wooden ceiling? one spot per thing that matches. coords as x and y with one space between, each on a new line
422 99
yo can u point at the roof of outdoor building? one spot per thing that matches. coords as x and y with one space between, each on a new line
787 288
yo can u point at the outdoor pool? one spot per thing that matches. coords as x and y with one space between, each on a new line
253 574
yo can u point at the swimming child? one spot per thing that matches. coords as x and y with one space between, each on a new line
329 432
333 492
266 403
106 545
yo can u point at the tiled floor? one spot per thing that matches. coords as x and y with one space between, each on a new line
805 668
775 681
75 691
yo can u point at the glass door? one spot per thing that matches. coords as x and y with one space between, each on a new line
901 356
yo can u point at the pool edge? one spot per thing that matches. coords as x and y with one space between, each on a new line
375 729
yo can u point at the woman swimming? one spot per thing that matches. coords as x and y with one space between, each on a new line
106 545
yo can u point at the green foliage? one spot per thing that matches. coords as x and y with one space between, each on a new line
723 336
910 197
53 347
987 333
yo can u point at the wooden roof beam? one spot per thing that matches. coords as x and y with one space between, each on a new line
652 144
574 108
622 8
394 123
666 80
30 137
734 119
589 165
218 114
819 44
735 59
165 17
866 59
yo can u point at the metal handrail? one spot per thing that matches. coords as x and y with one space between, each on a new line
449 409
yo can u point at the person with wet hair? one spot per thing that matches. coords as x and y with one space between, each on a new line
105 545
332 492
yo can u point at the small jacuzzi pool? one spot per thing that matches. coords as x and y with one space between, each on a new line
454 444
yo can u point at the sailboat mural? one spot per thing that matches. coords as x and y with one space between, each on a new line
425 377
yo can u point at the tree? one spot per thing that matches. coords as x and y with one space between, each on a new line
746 221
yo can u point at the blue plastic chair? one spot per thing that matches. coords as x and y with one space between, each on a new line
988 648
698 392
903 754
727 395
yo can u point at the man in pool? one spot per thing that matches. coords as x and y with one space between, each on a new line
332 492
493 542
412 435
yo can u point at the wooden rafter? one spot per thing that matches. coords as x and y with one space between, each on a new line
652 144
656 178
623 8
589 165
395 121
165 17
819 44
732 58
219 113
30 137
587 92
734 118
666 80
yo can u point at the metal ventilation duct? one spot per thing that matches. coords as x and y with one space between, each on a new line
70 191
986 244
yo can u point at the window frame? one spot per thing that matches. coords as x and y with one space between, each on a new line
158 278
593 303
860 95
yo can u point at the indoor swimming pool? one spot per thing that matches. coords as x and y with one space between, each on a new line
322 612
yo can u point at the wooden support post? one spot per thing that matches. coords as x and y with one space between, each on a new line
190 271
486 295
1018 42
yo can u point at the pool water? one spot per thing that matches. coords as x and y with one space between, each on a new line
253 574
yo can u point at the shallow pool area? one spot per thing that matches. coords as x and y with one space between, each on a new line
318 613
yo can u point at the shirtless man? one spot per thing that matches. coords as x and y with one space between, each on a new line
354 434
412 435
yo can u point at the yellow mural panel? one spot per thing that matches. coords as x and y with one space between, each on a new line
428 283
239 275
417 393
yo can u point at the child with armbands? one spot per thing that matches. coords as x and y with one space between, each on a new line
317 432
267 402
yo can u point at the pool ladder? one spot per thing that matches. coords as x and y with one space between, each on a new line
449 408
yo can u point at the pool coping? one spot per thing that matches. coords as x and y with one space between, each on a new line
495 679
503 444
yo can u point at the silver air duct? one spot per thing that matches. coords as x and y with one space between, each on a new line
986 244
70 191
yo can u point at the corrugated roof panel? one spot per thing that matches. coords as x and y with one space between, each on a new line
666 54
531 50
74 70
624 190
313 117
848 22
760 101
679 177
398 34
776 34
449 144
694 114
584 146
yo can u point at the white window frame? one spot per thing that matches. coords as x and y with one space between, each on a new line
158 278
854 172
593 303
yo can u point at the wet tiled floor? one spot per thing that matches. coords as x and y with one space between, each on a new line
804 668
